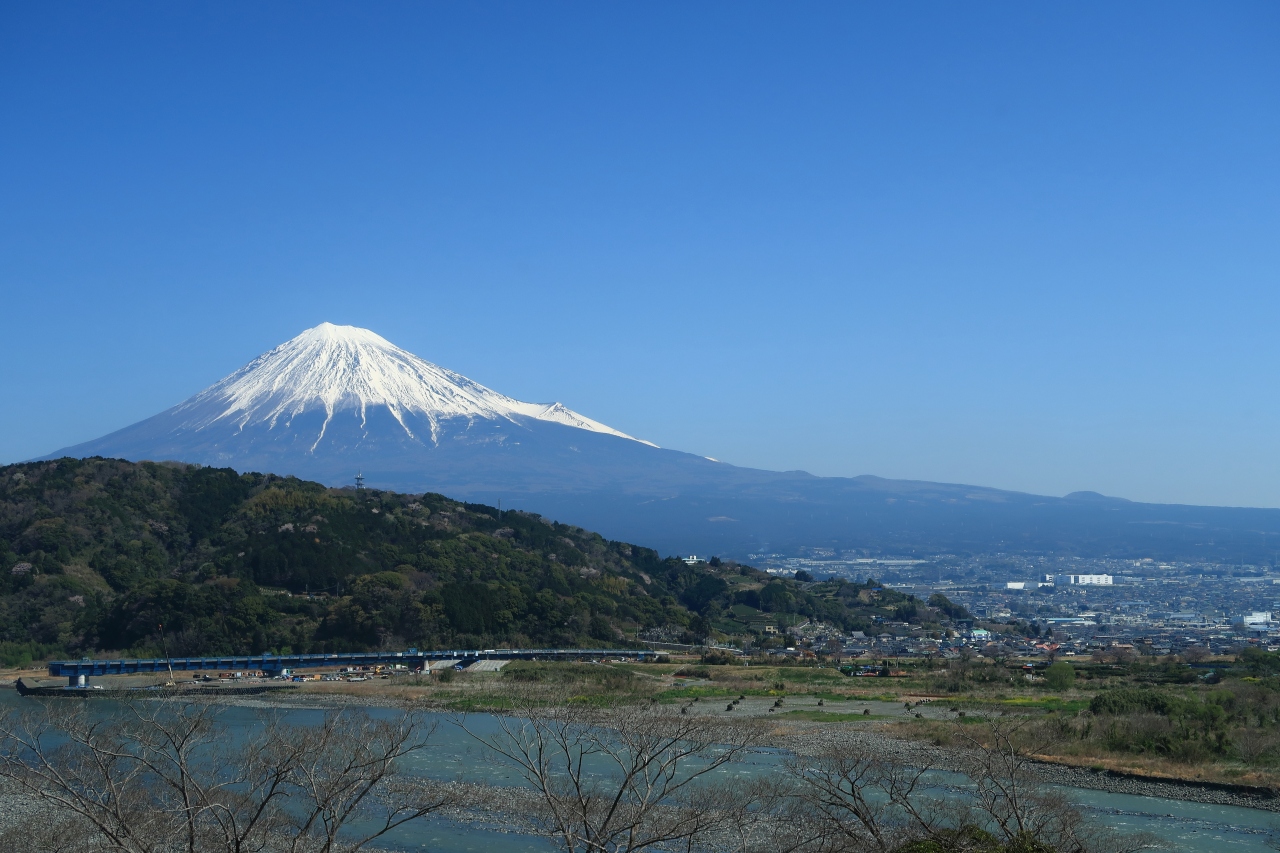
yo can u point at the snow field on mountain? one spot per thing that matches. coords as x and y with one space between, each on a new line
341 368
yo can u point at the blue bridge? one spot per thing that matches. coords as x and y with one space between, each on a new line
413 659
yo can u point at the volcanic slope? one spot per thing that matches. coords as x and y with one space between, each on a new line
338 394
337 400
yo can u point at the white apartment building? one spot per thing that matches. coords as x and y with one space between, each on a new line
1087 580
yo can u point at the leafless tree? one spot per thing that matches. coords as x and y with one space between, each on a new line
168 775
768 817
1008 794
647 777
623 780
860 800
866 801
1196 654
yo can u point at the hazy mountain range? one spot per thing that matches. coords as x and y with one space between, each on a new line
337 400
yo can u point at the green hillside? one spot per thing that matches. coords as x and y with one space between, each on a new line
96 554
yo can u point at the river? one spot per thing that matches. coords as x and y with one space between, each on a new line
1187 827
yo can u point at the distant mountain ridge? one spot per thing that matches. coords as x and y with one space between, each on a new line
338 400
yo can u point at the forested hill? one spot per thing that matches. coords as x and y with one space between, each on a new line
96 554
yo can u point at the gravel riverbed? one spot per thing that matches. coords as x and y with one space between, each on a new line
818 739
811 738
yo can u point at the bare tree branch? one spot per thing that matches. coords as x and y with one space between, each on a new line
624 779
166 776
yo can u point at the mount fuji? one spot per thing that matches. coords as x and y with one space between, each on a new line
338 400
338 395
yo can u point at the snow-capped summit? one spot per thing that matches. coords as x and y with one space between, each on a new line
339 399
342 368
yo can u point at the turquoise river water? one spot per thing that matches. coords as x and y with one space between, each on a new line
1183 826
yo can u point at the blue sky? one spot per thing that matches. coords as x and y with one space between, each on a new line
1032 246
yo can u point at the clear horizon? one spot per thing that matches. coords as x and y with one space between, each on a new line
1026 248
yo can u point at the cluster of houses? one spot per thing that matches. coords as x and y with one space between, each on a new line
813 640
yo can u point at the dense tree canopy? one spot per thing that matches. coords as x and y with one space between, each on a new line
97 554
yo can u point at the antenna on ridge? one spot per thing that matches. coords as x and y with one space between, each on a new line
360 481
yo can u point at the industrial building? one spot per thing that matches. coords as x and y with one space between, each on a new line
1090 580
